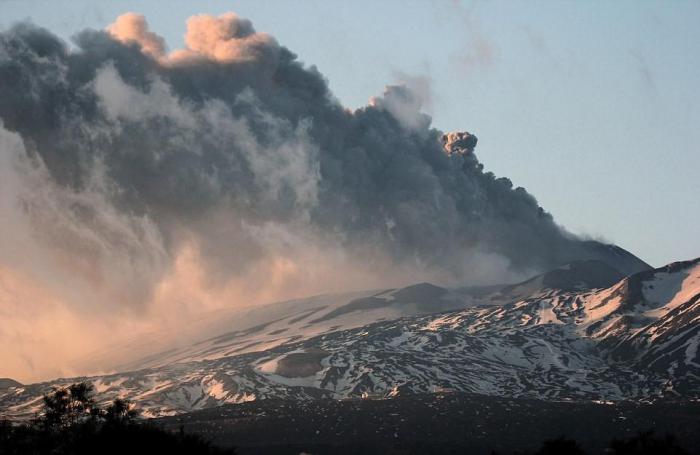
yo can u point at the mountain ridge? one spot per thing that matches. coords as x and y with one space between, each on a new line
635 340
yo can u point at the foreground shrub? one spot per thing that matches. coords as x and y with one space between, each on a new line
71 423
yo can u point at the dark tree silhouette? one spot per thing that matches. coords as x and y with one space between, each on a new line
66 406
646 443
73 424
120 412
560 446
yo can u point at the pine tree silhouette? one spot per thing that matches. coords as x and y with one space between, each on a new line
73 424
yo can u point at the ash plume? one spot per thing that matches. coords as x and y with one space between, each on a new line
141 181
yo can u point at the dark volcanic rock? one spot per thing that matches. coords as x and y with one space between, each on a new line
301 364
6 383
433 423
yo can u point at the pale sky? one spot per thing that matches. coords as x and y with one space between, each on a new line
591 106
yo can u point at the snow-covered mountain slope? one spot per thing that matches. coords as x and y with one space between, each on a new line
657 321
576 276
637 339
225 333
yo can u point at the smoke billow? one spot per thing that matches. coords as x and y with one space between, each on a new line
147 185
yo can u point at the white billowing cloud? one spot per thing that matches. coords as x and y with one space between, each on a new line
77 242
225 38
69 261
120 101
290 164
133 28
405 104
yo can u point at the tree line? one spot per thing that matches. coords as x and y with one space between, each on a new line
72 423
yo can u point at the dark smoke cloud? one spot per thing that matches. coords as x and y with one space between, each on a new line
236 148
